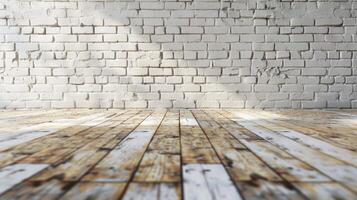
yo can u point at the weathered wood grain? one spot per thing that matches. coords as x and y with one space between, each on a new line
162 160
331 167
336 137
31 133
15 174
121 162
325 147
153 191
97 191
207 181
240 163
217 135
325 191
159 167
178 154
262 189
284 164
196 147
79 163
239 132
51 189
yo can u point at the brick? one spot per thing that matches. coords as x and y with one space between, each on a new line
43 21
160 72
302 22
232 104
292 46
160 104
184 104
266 88
207 104
136 104
340 71
263 46
187 38
328 21
83 30
162 88
191 30
177 54
301 38
137 71
242 29
15 88
314 71
152 5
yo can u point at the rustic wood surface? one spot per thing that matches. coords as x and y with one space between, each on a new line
178 154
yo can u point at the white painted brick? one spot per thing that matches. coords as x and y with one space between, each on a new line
43 21
314 71
136 104
83 30
263 46
328 21
197 54
302 22
162 88
89 88
232 104
184 104
187 38
266 88
160 104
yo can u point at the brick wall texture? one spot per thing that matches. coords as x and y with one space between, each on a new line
178 53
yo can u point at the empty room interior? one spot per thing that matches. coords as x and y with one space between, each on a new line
178 99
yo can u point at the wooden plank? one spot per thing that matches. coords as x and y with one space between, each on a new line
325 135
8 116
59 137
80 161
194 143
159 167
31 133
290 168
75 167
167 137
216 134
122 161
331 167
153 191
262 189
241 164
20 125
97 191
161 163
60 150
349 156
239 132
43 145
207 181
325 191
7 158
284 164
15 174
52 189
39 187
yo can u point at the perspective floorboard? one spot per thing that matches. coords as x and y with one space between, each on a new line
178 154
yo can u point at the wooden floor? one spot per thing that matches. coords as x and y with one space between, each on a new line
178 154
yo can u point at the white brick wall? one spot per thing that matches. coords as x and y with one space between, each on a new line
184 54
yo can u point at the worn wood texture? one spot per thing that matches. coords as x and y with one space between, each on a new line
178 154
